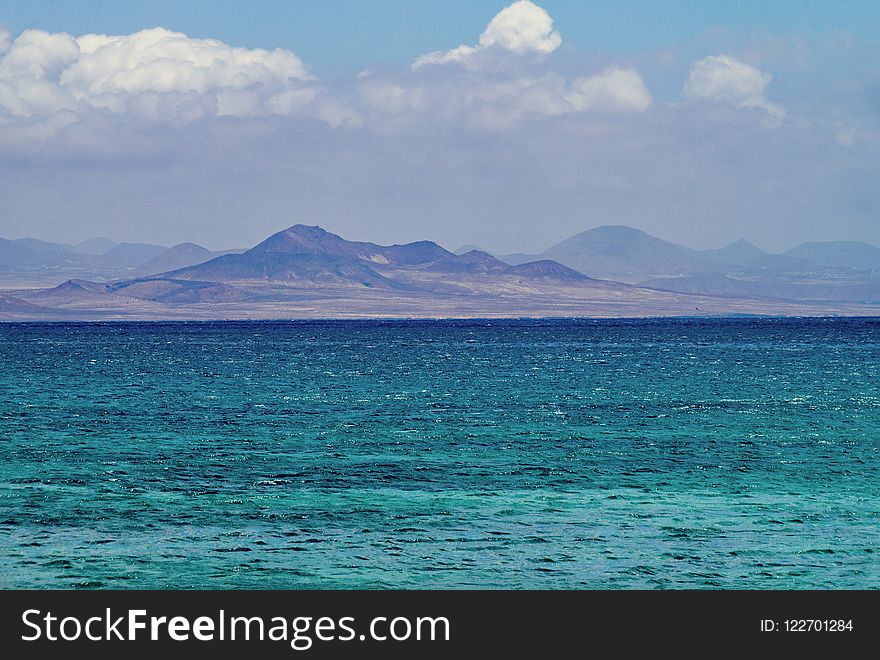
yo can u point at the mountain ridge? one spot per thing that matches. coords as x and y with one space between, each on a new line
839 254
303 268
308 252
307 272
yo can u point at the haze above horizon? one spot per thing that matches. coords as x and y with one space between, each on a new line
84 247
507 126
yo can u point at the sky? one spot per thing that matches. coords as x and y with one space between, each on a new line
510 126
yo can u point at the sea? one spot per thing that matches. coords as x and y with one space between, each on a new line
737 453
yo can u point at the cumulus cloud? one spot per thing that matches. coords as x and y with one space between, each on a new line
492 87
722 78
495 102
521 28
153 73
159 60
57 79
614 89
5 39
27 69
49 81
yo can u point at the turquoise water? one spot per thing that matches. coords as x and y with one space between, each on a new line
524 454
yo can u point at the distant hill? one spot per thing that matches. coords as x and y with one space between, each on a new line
304 269
11 305
475 261
627 254
178 256
309 253
95 246
304 254
782 265
302 240
15 252
131 255
177 291
740 253
468 248
839 254
744 258
308 272
77 292
70 291
519 258
546 270
45 246
34 259
24 255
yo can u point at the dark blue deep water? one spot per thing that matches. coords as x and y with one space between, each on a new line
542 454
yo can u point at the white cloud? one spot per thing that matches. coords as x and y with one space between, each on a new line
159 75
493 87
723 78
159 60
614 89
5 39
153 73
495 101
456 55
521 28
27 69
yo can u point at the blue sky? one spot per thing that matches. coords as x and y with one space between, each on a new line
509 127
334 34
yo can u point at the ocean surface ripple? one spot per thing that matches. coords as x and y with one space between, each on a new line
739 453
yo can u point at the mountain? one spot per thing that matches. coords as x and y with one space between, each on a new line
35 260
124 293
95 246
31 256
474 261
307 272
178 256
839 254
14 253
131 255
743 258
302 240
26 256
467 248
45 246
740 253
628 254
302 269
12 305
71 291
311 254
519 258
177 291
545 270
780 265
